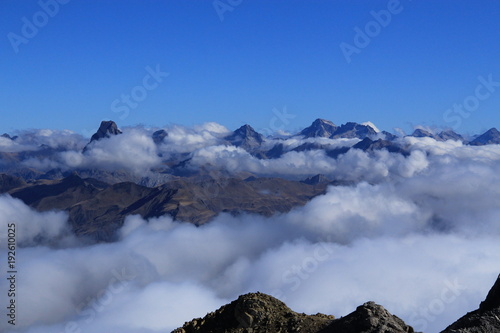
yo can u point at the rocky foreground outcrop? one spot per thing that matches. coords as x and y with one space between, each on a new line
259 313
486 319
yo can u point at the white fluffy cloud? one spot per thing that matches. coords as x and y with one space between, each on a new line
32 227
417 234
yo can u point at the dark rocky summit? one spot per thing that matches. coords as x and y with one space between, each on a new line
441 136
256 313
368 318
352 130
259 313
486 319
106 130
159 135
327 129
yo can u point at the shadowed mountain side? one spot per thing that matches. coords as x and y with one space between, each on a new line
8 183
98 209
486 319
260 313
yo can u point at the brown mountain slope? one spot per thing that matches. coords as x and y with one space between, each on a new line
98 209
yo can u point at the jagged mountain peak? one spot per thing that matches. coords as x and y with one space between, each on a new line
261 313
245 137
106 130
492 300
319 128
441 136
159 135
491 136
450 135
353 130
256 312
421 133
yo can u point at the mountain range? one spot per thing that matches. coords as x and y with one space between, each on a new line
98 200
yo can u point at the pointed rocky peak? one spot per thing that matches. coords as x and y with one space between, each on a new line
245 137
442 136
485 319
450 135
256 312
106 130
353 130
492 301
492 136
369 318
421 133
159 135
389 136
319 128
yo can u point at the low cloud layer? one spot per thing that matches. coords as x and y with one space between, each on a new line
419 235
416 233
203 148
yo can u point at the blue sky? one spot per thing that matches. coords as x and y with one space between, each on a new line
248 60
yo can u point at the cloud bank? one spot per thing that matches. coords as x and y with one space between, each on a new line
417 234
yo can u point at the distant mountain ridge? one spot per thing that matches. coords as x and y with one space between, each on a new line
322 135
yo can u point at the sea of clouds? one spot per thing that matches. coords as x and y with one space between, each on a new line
417 234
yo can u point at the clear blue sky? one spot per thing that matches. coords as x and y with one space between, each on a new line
263 55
